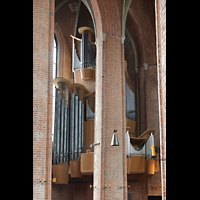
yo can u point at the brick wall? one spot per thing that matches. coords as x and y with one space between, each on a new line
43 30
141 24
72 191
107 15
110 162
160 6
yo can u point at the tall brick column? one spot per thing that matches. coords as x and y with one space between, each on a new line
110 161
43 37
160 8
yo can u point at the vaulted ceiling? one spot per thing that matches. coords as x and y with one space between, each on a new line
140 37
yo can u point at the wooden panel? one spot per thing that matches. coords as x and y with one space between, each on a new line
136 164
75 169
137 141
61 173
150 166
89 84
89 133
157 163
131 124
86 73
128 165
147 133
87 163
142 138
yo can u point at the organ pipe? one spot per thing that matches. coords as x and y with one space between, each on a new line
87 50
58 128
82 127
62 132
89 113
84 49
69 130
76 127
72 127
66 140
146 149
130 102
55 129
129 148
79 128
149 145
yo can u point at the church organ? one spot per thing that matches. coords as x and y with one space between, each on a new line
75 119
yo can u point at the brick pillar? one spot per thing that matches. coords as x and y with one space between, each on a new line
43 36
110 161
160 8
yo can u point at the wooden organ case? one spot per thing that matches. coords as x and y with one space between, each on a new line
72 152
141 155
74 113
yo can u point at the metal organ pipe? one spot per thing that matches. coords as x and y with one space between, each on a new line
130 102
67 134
145 150
82 126
149 144
62 132
76 128
72 127
68 139
89 113
84 49
65 146
79 128
55 129
58 128
68 130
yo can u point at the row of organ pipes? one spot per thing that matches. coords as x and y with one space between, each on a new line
146 149
75 114
68 129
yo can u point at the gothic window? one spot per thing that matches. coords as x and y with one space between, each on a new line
55 73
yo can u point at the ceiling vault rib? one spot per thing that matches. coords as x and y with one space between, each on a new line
60 4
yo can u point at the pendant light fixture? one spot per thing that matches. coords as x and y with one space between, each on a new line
114 141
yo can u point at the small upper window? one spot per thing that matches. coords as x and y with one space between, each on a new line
55 73
55 53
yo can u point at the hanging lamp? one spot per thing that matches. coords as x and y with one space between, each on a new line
114 141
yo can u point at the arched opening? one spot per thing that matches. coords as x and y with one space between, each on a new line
69 17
